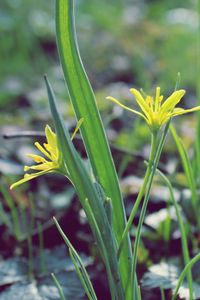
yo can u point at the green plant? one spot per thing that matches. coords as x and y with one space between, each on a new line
99 192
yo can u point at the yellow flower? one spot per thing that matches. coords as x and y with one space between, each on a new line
154 110
49 163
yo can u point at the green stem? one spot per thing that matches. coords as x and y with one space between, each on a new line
151 173
155 156
139 197
182 230
139 296
184 272
162 293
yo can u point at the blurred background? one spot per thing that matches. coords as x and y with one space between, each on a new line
123 44
137 43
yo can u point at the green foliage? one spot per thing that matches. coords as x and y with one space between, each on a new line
137 44
84 103
90 200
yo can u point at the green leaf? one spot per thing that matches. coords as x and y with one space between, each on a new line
84 103
85 189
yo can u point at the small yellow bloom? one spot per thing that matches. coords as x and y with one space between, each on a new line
154 110
49 163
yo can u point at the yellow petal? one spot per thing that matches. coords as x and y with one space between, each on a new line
181 111
52 151
165 118
26 178
41 149
171 101
26 168
126 107
157 98
140 101
51 137
41 167
36 158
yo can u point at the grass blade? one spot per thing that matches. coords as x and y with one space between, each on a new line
193 261
80 269
57 284
13 210
187 167
185 249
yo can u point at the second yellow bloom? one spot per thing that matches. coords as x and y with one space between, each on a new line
154 110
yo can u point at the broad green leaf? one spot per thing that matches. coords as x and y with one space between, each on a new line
84 103
85 189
